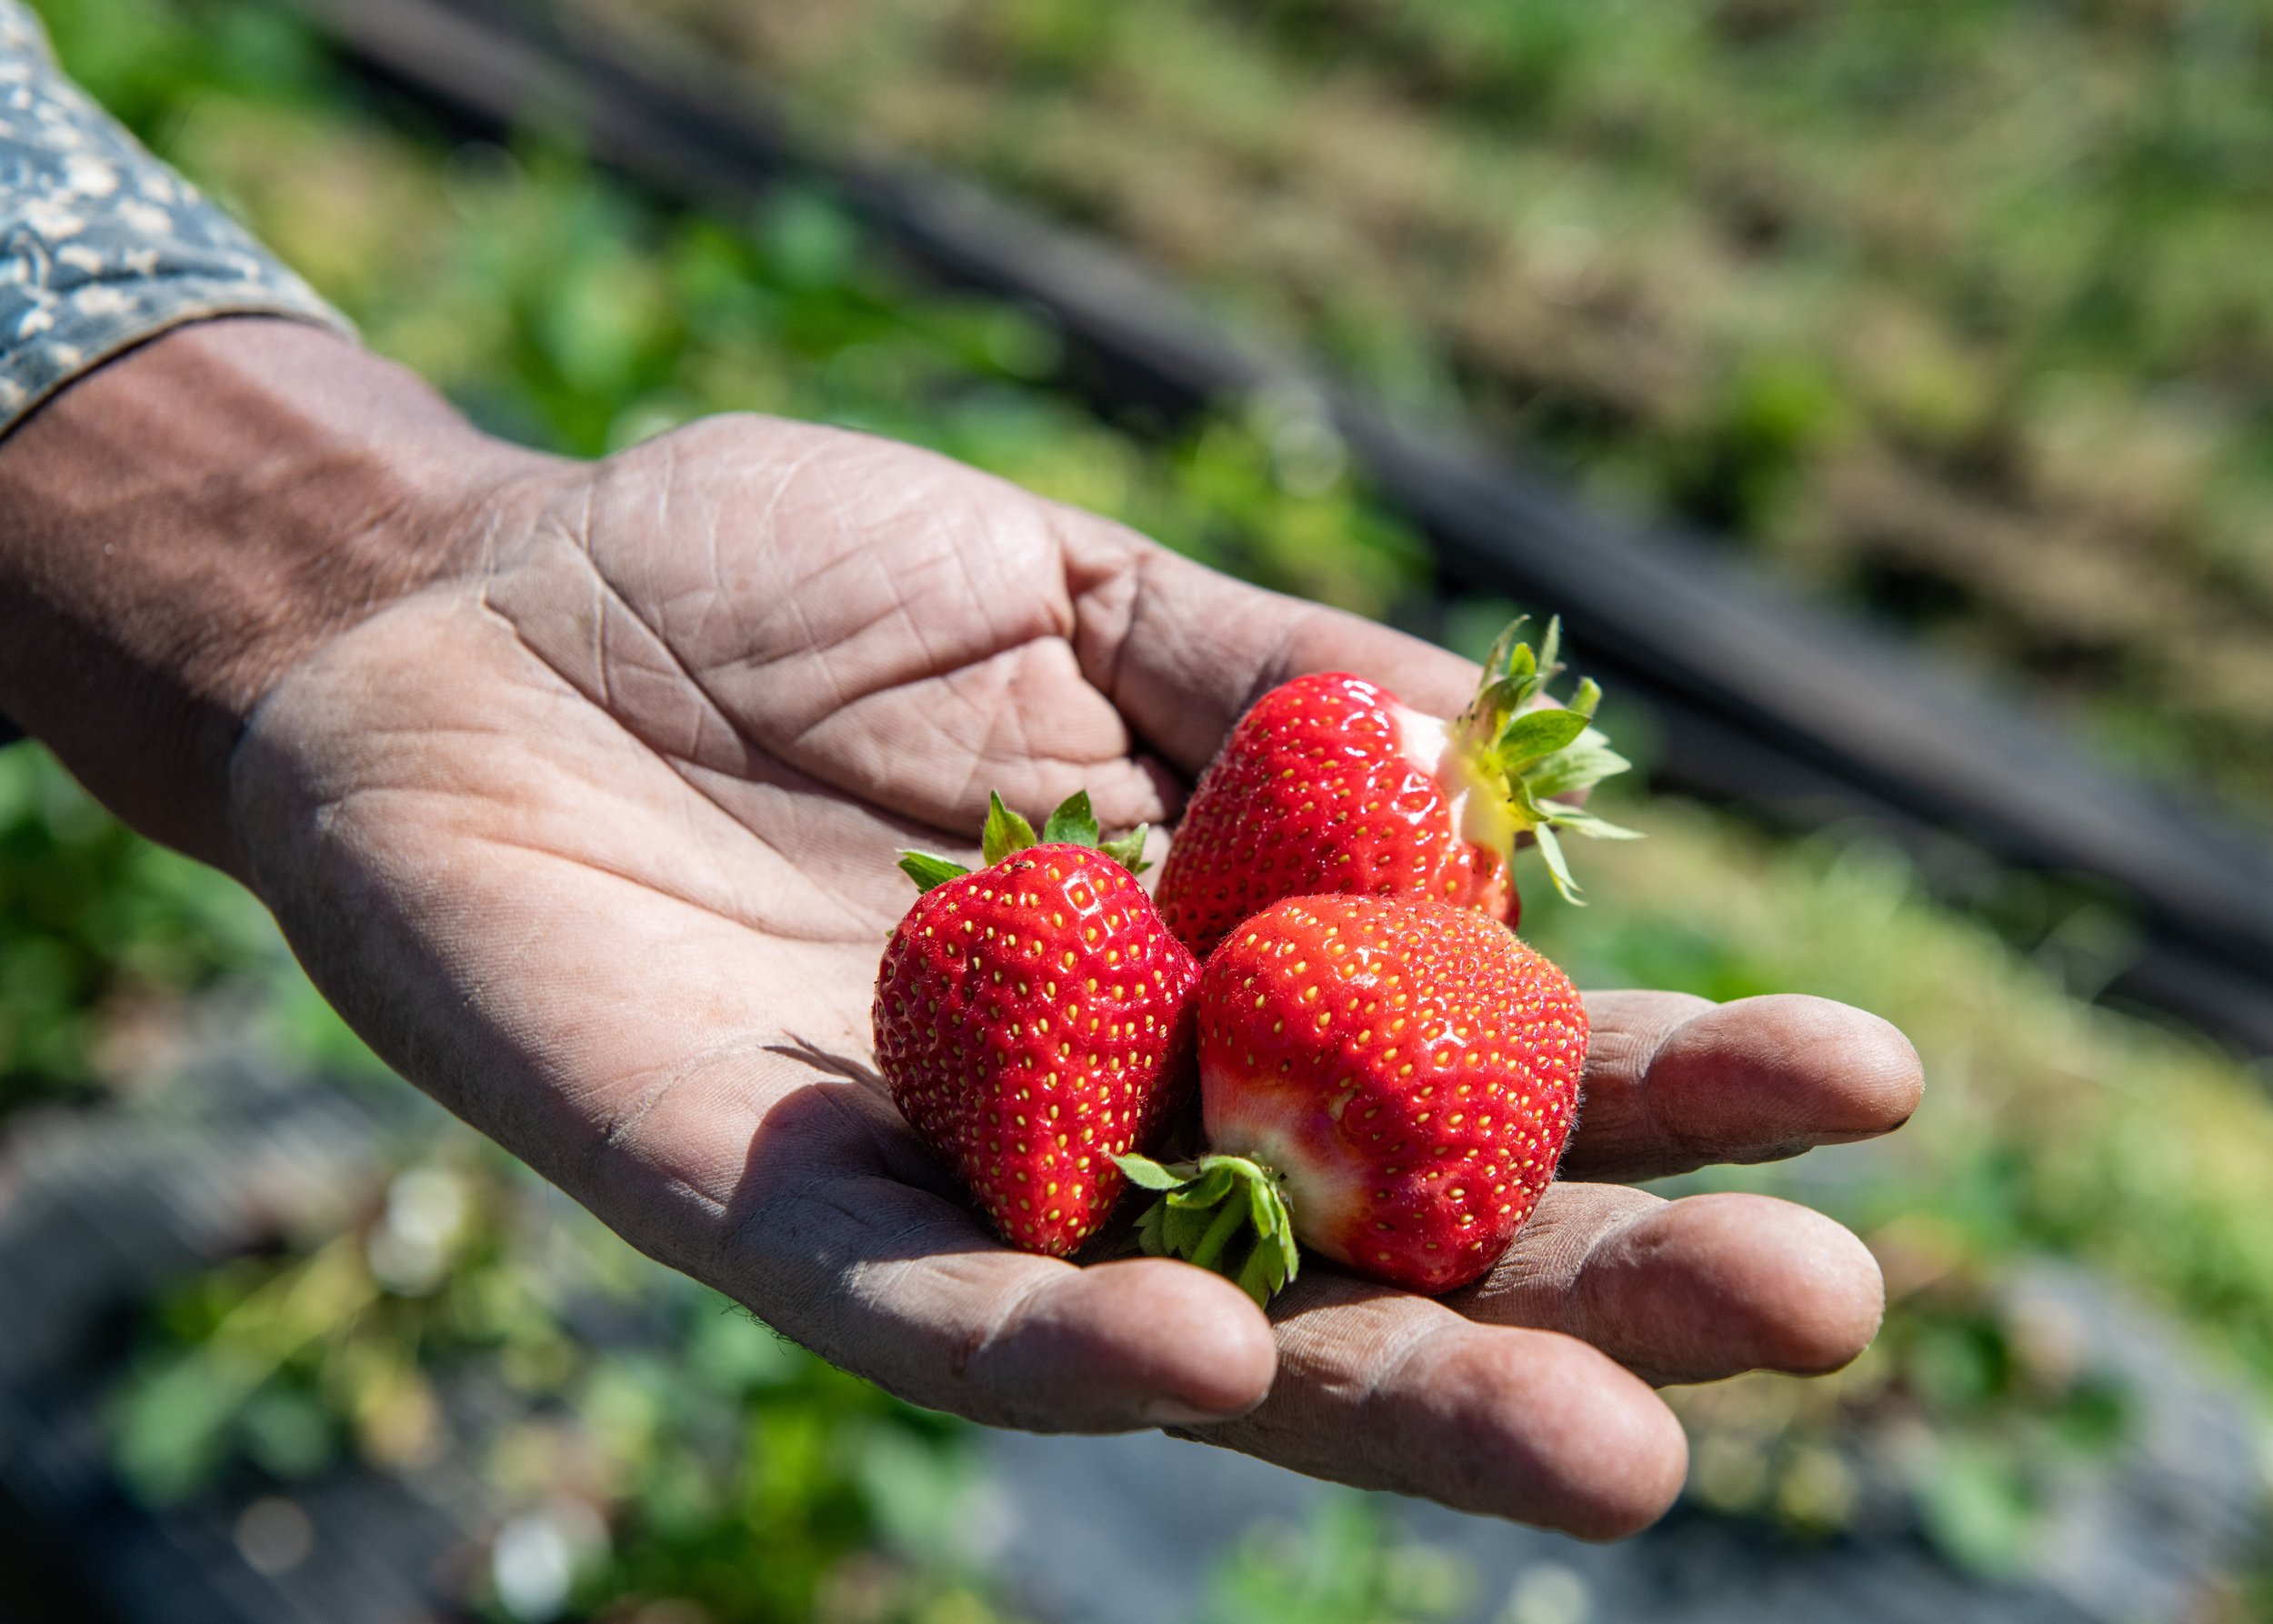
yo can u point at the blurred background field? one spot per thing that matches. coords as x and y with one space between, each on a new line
1952 309
1949 311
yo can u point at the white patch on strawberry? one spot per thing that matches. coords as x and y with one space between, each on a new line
1479 804
1273 1123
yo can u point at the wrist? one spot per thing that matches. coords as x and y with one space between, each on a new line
185 525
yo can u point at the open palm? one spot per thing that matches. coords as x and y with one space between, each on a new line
594 840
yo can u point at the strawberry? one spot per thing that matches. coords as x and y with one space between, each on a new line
1330 784
1033 1020
1389 1080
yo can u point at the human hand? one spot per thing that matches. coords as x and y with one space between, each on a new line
589 830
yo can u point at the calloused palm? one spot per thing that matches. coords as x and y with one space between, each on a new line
595 841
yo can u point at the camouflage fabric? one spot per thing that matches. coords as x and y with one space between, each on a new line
100 244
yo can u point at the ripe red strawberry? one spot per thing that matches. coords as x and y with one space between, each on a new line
1331 784
1397 1074
1033 1020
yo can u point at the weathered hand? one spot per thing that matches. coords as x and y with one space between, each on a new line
592 836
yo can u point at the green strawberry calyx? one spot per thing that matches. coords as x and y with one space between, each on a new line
1221 1212
1525 755
1073 823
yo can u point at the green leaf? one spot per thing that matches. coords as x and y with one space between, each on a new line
1206 1191
1551 647
1264 1208
1503 649
1254 1275
1208 1208
1577 820
1580 765
1148 1174
1522 665
1502 699
1266 1271
1073 823
1524 805
928 871
1005 831
1151 1234
1537 733
1274 1229
1536 754
1128 851
1558 869
1185 1227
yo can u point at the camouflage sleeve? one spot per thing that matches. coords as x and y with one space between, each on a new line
100 244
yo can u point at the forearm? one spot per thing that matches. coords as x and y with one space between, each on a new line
180 527
186 503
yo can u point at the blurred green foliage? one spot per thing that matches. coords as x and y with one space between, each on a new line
733 1474
2051 1129
95 928
570 313
562 309
1980 1405
1348 1567
1954 307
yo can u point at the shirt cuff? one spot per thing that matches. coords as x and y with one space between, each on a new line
106 320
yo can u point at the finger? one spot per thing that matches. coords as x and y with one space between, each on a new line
1675 1082
1183 651
967 1326
825 1238
1688 1290
1382 1389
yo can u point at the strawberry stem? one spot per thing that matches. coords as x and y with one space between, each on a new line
1530 753
1219 1235
1073 823
1203 1207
